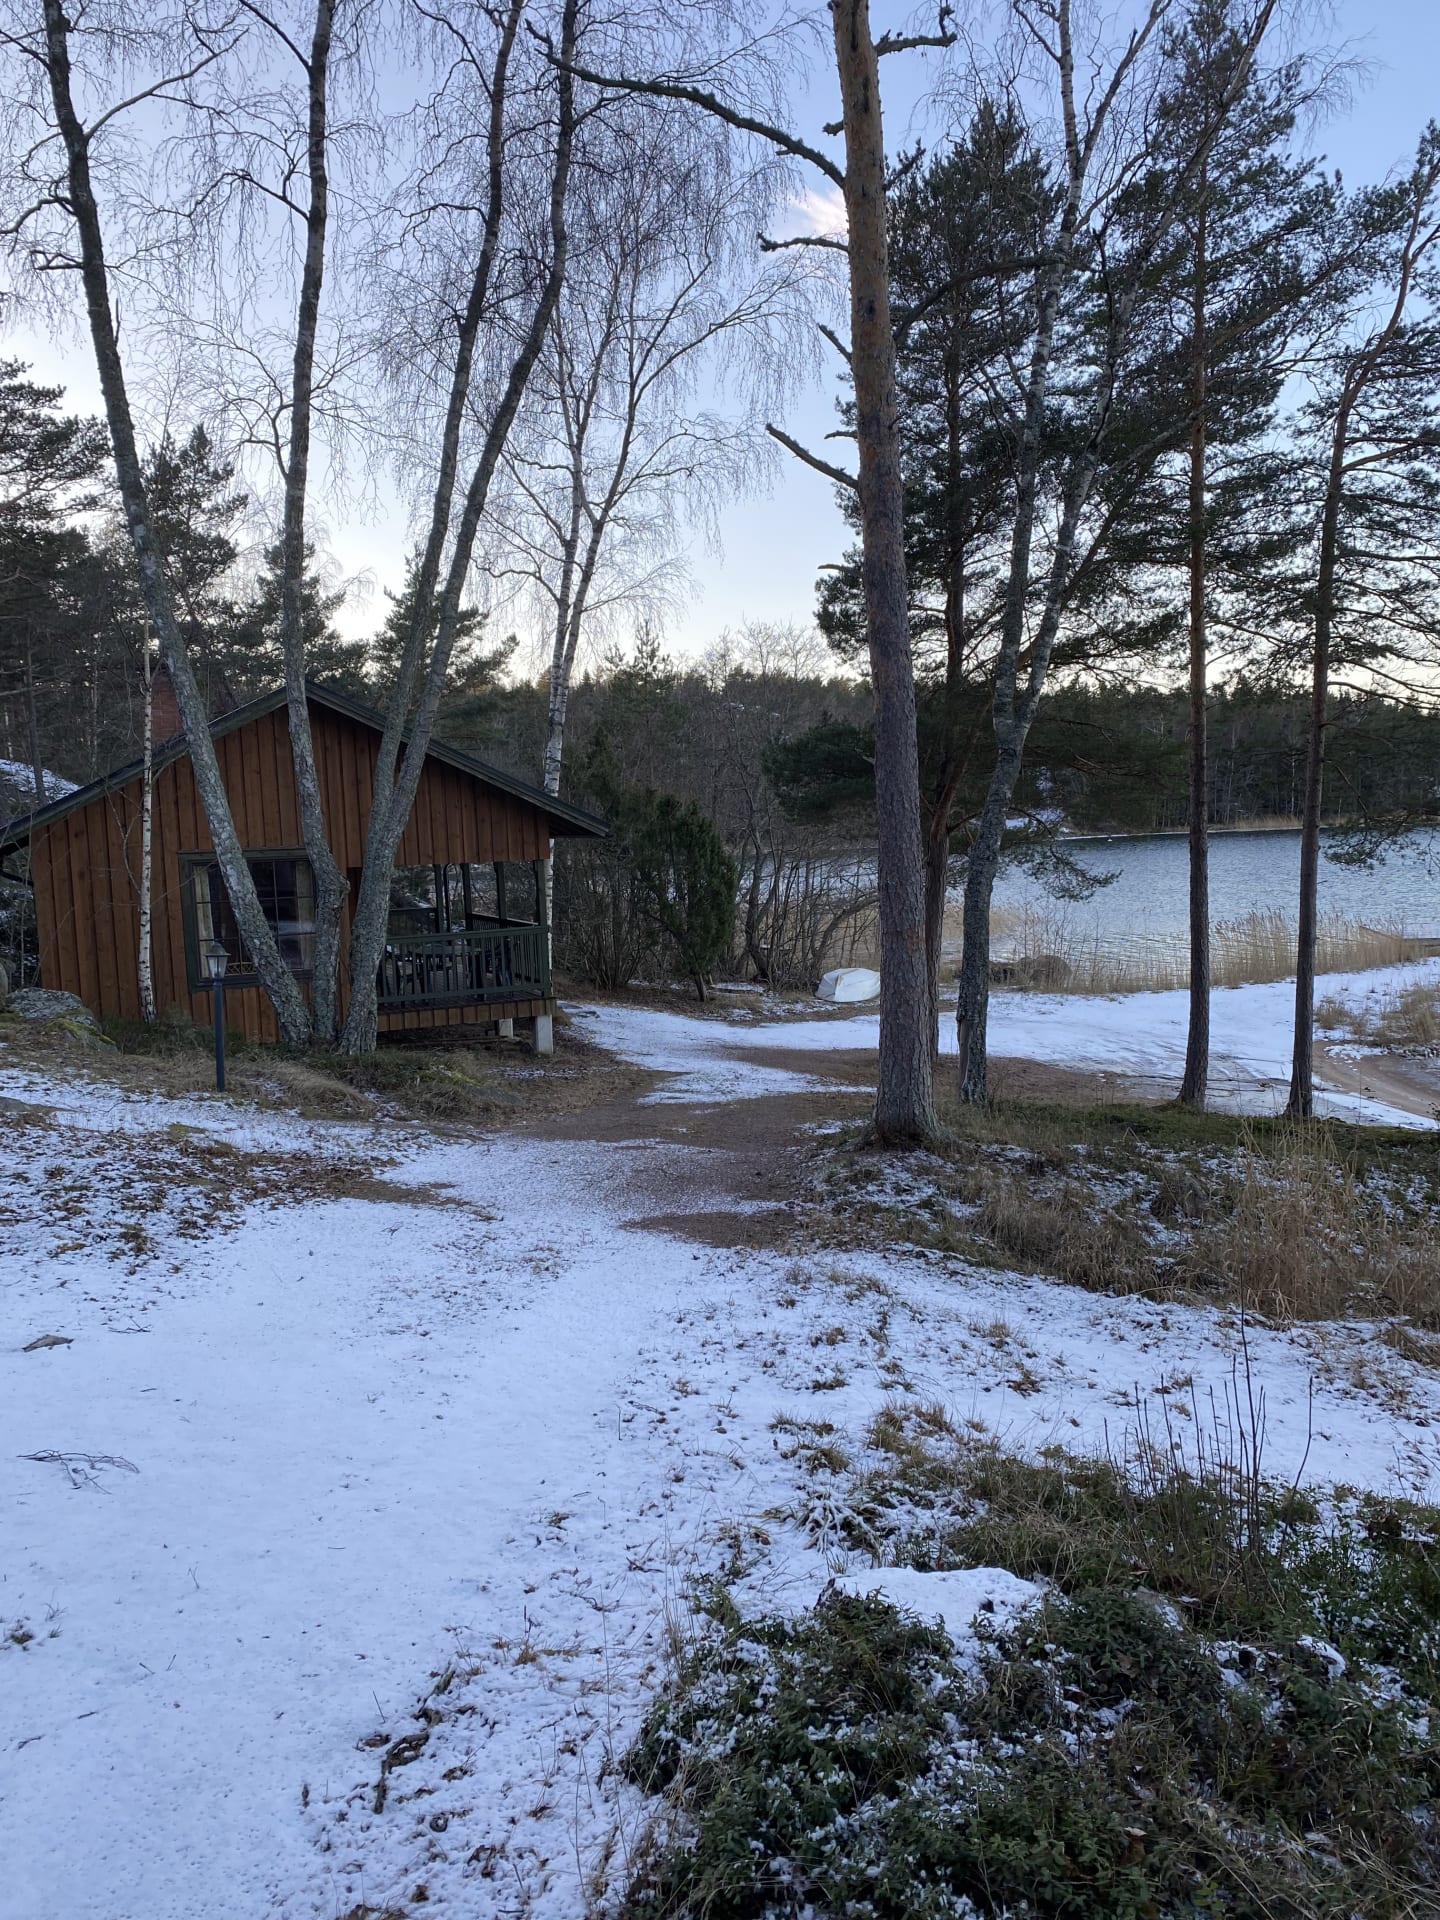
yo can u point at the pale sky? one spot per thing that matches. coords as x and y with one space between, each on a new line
773 547
772 544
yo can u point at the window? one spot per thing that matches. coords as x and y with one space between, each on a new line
287 898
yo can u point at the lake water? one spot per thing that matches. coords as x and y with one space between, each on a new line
1249 872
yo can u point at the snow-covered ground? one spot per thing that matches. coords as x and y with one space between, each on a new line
1140 1036
360 1423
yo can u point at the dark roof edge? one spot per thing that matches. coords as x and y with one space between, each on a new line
17 832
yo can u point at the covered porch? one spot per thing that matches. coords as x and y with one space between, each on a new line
467 941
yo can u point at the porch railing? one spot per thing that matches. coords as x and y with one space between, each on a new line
462 969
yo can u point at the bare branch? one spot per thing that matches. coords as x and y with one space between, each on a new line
778 137
838 474
830 242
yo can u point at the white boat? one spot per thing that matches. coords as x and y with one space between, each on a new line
849 984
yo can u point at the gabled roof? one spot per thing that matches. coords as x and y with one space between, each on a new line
565 820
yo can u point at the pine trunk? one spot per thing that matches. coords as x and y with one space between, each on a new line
1301 1104
1194 1084
904 1100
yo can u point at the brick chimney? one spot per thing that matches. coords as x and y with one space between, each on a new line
165 721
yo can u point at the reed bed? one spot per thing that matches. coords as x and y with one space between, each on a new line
1042 951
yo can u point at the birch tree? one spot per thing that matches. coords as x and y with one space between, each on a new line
312 213
501 303
68 123
621 452
266 359
145 958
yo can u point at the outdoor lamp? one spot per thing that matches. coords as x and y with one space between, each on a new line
215 958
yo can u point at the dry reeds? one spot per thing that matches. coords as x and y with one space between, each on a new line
1041 951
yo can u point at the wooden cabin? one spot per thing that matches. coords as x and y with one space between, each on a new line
467 944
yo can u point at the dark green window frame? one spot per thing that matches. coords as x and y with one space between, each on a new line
198 912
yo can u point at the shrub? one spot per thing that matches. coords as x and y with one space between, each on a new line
657 895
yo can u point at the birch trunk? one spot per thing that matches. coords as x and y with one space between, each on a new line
331 887
255 930
145 973
395 790
904 1098
32 724
973 997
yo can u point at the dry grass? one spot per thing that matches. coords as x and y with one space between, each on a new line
1041 950
1061 1232
1293 1222
1306 1239
1408 1018
456 1084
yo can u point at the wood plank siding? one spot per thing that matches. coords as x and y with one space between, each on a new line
85 865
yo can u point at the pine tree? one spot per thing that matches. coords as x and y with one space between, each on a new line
253 655
51 465
466 713
197 512
1255 257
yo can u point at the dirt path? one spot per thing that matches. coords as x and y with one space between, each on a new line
743 1176
746 1178
1409 1082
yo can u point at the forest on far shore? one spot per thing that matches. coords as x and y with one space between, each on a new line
767 725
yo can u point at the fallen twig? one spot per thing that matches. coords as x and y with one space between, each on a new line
76 1464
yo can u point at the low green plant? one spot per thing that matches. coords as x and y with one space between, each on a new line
1221 1704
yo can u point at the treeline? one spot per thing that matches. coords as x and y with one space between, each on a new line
1382 756
74 633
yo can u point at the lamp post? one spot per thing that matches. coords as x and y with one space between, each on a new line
215 959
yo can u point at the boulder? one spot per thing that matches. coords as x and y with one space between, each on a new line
48 1003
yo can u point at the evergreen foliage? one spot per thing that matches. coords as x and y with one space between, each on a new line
658 895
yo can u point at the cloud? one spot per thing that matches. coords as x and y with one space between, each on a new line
816 210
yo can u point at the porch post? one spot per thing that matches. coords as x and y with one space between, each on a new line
544 1022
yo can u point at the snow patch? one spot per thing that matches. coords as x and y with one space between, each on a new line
956 1599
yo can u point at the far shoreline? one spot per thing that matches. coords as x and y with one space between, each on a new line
1265 824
